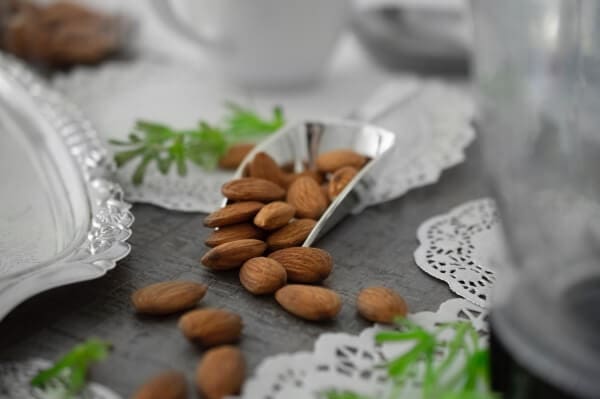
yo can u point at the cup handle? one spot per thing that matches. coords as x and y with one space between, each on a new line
165 12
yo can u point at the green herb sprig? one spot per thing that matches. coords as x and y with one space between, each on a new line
203 145
67 376
468 379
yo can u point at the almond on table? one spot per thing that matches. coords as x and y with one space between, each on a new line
210 327
221 372
329 162
309 302
380 304
304 264
252 189
168 297
274 215
234 232
291 235
233 214
262 275
167 385
232 254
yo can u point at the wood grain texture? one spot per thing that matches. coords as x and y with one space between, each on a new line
373 248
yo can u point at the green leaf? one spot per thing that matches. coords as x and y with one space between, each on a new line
244 123
140 171
123 157
70 371
164 164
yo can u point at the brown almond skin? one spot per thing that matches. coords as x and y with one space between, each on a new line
232 254
274 215
380 304
329 162
233 233
235 155
309 302
167 297
221 372
304 264
305 195
210 327
339 180
262 275
313 174
252 189
167 385
291 235
264 167
233 214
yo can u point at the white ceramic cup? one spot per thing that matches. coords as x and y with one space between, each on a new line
265 43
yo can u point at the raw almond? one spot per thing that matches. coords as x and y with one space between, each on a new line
304 264
264 167
168 297
221 372
274 215
313 174
305 195
211 327
291 235
329 162
339 180
309 302
233 233
252 189
167 385
232 254
380 304
235 155
262 275
233 214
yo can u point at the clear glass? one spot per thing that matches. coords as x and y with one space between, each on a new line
537 65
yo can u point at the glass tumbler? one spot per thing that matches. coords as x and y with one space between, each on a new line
537 68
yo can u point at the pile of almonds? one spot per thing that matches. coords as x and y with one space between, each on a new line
259 233
271 212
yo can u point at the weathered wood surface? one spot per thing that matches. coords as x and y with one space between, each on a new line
374 247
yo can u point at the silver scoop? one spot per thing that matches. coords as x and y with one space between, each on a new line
303 141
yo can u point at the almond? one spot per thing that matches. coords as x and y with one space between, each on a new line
380 304
274 215
252 189
168 297
309 302
262 275
305 195
325 191
232 254
289 178
291 235
211 327
304 264
167 385
264 167
221 372
232 214
329 162
233 233
235 155
339 180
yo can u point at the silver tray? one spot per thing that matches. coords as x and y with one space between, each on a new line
62 218
302 142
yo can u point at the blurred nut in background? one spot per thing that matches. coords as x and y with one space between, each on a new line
59 34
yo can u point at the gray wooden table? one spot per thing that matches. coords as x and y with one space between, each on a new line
374 247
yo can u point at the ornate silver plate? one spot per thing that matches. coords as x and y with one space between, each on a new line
62 218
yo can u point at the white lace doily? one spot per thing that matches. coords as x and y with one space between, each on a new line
433 128
346 362
15 378
461 248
